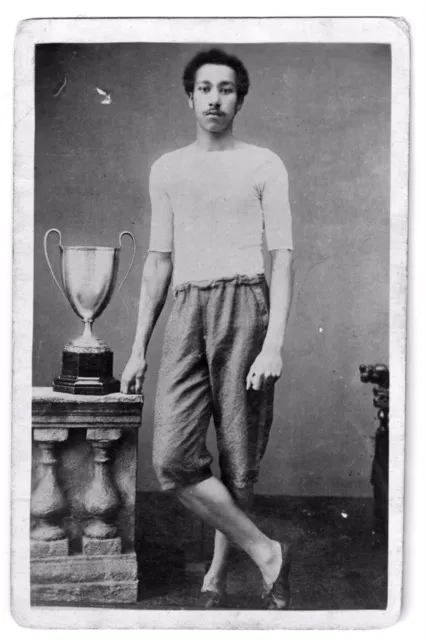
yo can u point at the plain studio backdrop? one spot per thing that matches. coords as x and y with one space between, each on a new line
325 110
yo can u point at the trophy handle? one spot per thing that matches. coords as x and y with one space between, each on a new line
47 257
127 233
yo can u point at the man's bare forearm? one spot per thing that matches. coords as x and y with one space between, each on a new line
281 291
156 278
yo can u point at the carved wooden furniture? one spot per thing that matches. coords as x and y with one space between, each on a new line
84 458
379 375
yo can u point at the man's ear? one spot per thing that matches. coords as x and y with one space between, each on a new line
239 104
191 101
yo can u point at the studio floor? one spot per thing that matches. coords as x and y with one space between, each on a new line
335 565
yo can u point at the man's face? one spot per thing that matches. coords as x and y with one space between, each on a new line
214 100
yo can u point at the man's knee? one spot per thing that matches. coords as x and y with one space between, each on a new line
174 472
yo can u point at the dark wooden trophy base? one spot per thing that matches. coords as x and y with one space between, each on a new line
86 371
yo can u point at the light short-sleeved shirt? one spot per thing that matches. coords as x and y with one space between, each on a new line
211 208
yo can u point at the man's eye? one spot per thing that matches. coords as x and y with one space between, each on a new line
203 89
228 90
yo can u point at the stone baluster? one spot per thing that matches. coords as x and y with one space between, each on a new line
48 503
102 500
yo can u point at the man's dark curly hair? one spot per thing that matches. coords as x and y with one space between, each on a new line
216 56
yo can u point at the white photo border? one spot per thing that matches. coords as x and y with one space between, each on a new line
198 30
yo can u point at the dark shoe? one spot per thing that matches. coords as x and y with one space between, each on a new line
212 599
277 596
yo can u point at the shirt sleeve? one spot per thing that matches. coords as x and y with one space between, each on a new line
276 205
161 238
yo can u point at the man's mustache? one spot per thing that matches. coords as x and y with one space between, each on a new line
214 112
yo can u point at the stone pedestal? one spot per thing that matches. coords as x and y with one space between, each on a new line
83 494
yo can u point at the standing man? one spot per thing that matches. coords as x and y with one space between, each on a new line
222 348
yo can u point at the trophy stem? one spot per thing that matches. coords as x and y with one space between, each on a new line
88 341
87 334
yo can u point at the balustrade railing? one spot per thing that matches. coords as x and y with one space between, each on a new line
83 497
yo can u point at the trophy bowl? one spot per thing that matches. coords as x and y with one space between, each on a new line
89 277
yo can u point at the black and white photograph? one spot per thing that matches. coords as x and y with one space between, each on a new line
210 242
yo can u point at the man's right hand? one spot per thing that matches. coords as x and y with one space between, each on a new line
133 376
157 273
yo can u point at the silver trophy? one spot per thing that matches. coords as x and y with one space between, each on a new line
89 276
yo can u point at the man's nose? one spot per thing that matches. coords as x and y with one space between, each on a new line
214 98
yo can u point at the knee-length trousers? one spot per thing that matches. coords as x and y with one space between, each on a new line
214 333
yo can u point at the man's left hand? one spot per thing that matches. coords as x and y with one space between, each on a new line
267 367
